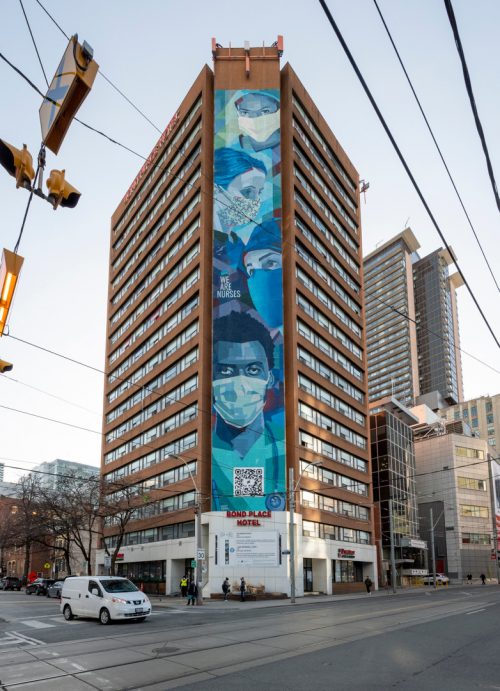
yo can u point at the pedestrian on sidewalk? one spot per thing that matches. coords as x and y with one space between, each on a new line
243 586
184 586
226 589
483 579
192 593
368 585
469 579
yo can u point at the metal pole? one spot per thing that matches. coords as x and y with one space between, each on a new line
197 530
291 506
433 555
493 515
393 556
199 599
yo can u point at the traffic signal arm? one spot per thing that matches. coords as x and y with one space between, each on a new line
9 273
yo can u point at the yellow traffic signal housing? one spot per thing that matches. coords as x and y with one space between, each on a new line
18 163
71 83
60 191
9 273
5 366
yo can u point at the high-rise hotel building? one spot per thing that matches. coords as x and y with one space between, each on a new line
235 343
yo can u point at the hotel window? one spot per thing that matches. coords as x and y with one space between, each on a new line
470 511
475 539
472 483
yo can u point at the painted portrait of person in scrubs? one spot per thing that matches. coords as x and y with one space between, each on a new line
258 120
247 446
262 259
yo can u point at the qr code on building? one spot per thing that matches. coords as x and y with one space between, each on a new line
248 482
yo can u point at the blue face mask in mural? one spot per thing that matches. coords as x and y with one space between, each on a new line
263 285
263 262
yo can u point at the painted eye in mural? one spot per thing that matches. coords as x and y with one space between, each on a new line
270 264
250 192
225 370
254 369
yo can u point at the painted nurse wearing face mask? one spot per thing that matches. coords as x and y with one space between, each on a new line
238 185
258 120
262 259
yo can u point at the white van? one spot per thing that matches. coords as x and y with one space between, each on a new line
103 597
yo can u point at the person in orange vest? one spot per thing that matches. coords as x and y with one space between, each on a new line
184 586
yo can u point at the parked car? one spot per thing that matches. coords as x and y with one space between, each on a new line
441 579
39 586
103 597
55 589
11 583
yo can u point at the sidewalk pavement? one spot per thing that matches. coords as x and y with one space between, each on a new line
234 601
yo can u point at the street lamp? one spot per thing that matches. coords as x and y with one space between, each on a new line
197 530
292 488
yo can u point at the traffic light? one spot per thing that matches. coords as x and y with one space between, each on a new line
9 273
60 191
5 366
18 163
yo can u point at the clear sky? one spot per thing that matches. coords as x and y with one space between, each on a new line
153 51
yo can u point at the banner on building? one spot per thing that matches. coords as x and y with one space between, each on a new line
248 433
248 548
495 472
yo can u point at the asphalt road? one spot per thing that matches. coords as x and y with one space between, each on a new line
447 639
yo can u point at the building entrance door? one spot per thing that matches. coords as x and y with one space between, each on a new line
308 576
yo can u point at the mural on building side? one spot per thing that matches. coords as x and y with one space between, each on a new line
248 423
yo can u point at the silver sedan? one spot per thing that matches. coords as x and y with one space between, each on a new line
54 590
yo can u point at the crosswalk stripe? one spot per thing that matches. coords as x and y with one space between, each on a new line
35 624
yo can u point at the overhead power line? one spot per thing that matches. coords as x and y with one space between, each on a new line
403 160
435 142
34 42
47 98
468 86
104 76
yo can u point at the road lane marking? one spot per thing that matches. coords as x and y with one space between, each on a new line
29 639
35 624
475 611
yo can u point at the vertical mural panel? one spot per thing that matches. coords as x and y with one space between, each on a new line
248 423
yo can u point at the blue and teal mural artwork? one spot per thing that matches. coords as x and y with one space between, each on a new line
248 422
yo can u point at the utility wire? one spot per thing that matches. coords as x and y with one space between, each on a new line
52 18
50 100
468 86
51 395
402 159
103 75
435 142
34 42
16 247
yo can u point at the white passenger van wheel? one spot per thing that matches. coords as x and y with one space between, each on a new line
68 614
104 616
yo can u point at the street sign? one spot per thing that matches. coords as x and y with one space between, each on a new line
193 563
47 565
107 561
69 87
200 555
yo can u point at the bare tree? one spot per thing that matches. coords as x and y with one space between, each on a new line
28 517
74 509
120 503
